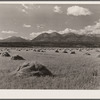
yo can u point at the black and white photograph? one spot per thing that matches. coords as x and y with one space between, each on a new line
52 46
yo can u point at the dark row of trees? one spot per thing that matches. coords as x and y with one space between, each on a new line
49 44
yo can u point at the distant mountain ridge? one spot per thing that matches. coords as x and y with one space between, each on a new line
14 39
55 39
66 37
46 37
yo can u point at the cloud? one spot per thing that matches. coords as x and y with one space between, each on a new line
24 37
25 6
49 31
24 11
35 34
27 26
68 30
78 11
28 6
57 9
91 29
40 26
1 38
97 25
8 32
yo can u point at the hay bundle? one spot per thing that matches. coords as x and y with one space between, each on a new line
95 72
57 51
42 51
32 69
99 56
87 53
17 57
72 52
38 50
97 50
80 50
65 51
34 50
5 54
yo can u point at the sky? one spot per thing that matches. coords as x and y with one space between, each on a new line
30 20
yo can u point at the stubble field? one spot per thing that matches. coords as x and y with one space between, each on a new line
71 71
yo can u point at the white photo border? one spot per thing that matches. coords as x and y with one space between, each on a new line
49 94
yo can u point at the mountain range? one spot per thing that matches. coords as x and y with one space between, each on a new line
55 37
14 39
67 37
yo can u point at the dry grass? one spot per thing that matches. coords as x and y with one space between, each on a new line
77 71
